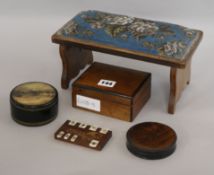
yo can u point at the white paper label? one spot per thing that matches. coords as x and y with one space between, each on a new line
106 83
88 103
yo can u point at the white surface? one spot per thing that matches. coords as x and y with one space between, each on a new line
88 103
107 83
27 54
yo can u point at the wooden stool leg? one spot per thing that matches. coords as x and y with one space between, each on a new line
179 78
73 60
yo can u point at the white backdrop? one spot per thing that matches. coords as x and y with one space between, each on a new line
27 54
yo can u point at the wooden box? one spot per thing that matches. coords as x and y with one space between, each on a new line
113 91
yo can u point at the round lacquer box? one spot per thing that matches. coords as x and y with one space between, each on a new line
34 103
151 140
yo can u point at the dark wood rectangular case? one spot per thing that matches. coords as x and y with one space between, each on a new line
123 101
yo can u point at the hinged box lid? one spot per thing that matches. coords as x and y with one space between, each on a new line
112 79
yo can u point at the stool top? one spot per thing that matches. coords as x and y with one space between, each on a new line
165 43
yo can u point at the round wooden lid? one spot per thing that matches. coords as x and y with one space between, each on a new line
34 103
151 140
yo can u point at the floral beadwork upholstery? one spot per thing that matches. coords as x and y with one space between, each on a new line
135 34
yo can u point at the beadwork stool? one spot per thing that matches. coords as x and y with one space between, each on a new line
145 40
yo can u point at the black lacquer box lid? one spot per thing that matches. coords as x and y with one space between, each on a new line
151 140
34 103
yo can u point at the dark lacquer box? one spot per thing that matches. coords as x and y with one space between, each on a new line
113 91
34 103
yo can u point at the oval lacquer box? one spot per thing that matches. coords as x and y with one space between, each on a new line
34 103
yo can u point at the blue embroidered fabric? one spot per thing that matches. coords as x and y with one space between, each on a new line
135 34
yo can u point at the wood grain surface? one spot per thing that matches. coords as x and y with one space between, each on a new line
123 101
151 140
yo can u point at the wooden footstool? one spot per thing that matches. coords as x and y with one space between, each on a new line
145 40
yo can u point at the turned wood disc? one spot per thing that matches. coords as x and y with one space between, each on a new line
151 140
